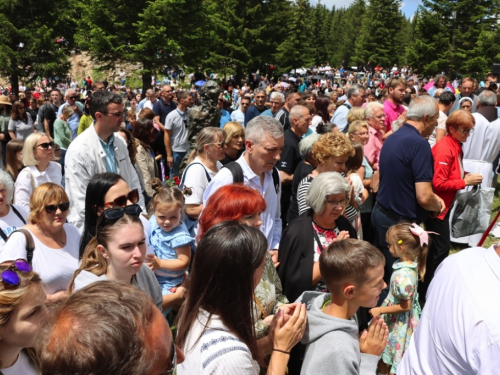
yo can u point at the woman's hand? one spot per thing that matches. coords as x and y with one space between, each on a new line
286 334
56 297
268 320
374 340
343 235
152 261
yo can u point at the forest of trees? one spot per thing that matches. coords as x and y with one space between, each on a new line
241 36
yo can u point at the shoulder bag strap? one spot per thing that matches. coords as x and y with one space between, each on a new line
18 214
181 185
30 243
236 171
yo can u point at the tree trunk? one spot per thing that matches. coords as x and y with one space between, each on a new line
146 78
14 82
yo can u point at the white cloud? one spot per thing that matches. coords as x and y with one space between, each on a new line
337 3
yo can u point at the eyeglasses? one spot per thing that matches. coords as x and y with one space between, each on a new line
173 359
340 203
219 144
122 200
46 145
116 114
52 208
117 213
166 91
361 134
465 132
73 97
10 277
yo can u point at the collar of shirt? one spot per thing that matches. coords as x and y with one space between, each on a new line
251 176
110 144
393 106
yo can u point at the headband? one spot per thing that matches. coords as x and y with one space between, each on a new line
423 235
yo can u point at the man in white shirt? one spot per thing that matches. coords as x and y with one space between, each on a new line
264 142
355 98
176 132
459 331
151 102
239 114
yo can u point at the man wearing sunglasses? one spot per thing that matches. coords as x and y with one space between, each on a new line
72 100
79 339
98 150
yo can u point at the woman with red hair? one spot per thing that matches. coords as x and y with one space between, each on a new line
243 204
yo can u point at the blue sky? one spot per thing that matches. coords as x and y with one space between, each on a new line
409 6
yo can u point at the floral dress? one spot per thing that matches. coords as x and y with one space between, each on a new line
404 283
325 237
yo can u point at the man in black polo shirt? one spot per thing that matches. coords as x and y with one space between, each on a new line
406 172
291 99
162 107
300 119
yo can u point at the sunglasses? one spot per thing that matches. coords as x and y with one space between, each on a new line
220 144
173 360
73 97
10 277
114 214
52 208
46 145
122 200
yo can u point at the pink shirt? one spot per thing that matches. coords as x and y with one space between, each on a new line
373 147
392 112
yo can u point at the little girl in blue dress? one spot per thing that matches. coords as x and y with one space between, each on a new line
401 309
170 240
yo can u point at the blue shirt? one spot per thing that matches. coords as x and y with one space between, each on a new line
225 117
162 109
74 120
405 159
267 112
109 149
252 112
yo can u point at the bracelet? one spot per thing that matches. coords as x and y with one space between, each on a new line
281 351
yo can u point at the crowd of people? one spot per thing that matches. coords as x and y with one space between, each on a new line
302 234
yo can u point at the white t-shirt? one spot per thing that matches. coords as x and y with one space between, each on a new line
55 266
23 186
10 222
217 352
315 122
196 179
23 366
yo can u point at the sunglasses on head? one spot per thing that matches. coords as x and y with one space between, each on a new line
122 200
46 145
52 208
114 214
10 277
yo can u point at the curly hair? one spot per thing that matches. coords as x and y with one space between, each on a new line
331 145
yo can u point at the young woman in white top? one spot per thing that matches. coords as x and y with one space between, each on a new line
203 165
38 156
55 257
11 217
22 313
216 324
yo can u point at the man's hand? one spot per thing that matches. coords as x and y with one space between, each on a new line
170 161
274 257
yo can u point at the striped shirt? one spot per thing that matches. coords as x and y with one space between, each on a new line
212 349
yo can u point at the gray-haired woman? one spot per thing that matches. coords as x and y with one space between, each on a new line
11 217
306 237
203 165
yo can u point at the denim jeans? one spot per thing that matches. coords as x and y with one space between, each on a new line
178 156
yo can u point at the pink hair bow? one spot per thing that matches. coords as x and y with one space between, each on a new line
423 235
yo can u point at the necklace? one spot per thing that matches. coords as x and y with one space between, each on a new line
61 234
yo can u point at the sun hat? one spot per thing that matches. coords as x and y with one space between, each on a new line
5 100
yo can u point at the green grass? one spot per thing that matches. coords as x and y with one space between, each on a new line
490 240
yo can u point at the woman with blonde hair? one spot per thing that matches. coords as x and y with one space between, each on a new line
38 156
55 255
235 140
203 165
22 314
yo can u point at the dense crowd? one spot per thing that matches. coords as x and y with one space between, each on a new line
302 234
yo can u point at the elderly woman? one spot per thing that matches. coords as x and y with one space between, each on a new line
465 104
449 177
306 237
330 153
375 116
38 156
235 140
11 217
203 166
55 255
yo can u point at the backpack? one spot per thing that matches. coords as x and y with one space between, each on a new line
30 243
237 173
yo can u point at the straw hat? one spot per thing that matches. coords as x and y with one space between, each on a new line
5 100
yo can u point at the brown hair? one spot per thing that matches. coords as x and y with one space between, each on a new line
355 161
101 329
146 113
411 245
44 194
167 195
394 82
131 147
12 148
92 259
331 145
206 136
348 261
460 119
17 113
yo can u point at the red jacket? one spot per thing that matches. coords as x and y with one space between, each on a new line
448 177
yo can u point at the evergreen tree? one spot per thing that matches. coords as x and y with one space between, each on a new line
378 40
296 51
28 47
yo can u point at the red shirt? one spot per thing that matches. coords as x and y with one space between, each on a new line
448 170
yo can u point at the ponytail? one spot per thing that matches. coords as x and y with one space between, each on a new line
167 195
422 260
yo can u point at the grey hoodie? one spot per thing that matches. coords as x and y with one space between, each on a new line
332 343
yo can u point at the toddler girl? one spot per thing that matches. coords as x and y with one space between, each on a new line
401 309
170 240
